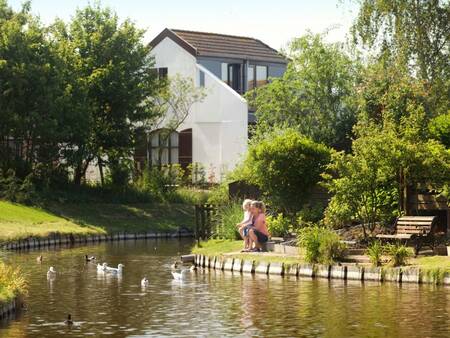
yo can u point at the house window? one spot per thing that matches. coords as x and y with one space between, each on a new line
261 75
164 147
224 73
162 72
202 78
250 77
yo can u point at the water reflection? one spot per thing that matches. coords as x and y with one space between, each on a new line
211 303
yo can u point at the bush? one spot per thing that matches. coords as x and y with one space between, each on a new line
16 190
12 282
321 245
398 253
375 251
278 226
310 215
285 165
218 194
228 216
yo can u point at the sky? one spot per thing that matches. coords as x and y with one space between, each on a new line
275 22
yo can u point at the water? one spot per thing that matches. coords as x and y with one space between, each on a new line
213 304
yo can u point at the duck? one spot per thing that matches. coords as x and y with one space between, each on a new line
115 270
69 320
102 268
175 265
192 268
179 275
90 259
144 282
51 273
39 259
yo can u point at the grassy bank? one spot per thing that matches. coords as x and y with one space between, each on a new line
12 283
19 221
429 265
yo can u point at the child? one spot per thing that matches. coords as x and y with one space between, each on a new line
246 223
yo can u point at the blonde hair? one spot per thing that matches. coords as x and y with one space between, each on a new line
260 205
247 202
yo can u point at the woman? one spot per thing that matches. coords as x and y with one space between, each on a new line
258 233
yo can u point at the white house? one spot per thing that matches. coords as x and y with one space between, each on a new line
216 131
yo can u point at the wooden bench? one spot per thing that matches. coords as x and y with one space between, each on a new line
416 230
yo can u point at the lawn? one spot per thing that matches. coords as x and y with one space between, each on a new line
19 221
432 263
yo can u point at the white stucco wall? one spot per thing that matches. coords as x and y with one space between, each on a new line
219 123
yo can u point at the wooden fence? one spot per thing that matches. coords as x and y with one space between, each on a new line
204 220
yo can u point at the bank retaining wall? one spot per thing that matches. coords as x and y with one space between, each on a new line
345 272
70 239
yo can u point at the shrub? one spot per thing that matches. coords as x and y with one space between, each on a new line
218 194
310 215
16 190
285 165
321 245
228 216
278 226
12 281
375 251
398 253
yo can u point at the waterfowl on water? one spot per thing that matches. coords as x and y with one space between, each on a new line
69 320
51 272
175 265
144 282
102 268
179 275
115 270
192 267
90 259
39 259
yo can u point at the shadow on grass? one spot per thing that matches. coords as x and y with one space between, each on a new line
114 217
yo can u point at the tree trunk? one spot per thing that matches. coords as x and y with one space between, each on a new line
100 168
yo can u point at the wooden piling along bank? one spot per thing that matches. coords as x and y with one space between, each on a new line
69 239
345 272
9 308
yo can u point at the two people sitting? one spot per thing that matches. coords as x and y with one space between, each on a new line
253 228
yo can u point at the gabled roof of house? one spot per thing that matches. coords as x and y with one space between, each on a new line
221 45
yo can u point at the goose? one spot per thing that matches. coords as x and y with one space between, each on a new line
179 275
115 270
102 268
144 282
69 320
51 273
90 259
39 259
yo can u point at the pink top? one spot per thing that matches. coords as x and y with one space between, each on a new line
261 225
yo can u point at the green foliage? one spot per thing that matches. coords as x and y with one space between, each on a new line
439 128
398 253
14 189
375 251
12 282
285 165
218 194
279 226
315 94
371 184
310 215
227 217
321 245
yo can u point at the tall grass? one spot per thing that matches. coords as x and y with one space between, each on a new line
225 224
321 245
12 282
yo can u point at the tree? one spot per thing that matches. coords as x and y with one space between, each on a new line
416 35
174 103
285 165
31 94
439 129
314 96
114 68
372 183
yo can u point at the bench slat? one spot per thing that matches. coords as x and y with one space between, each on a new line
397 236
414 223
417 218
406 227
411 232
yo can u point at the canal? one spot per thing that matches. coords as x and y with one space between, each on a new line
210 303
